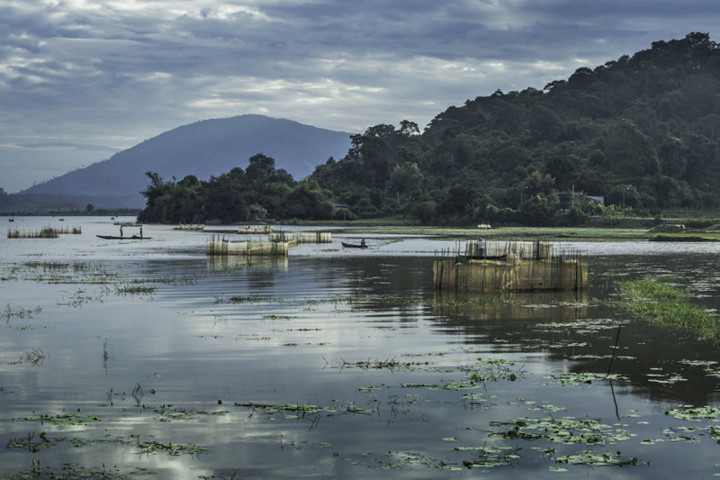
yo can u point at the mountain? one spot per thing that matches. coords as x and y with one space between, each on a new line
206 148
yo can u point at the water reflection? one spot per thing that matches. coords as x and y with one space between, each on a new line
224 263
511 307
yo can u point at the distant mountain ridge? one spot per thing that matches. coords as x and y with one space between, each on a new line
203 149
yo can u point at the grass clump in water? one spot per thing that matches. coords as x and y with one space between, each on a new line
65 420
667 306
71 471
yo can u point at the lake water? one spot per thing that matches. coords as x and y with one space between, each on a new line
145 359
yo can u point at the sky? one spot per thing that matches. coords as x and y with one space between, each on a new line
82 79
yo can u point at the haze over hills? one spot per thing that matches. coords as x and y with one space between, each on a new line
203 149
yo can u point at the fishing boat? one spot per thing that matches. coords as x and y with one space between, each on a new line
354 245
123 236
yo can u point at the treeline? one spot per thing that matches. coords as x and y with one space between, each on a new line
260 191
641 132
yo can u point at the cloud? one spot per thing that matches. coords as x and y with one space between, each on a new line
58 146
116 72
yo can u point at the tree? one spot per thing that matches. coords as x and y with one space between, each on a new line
307 200
629 153
261 168
408 128
544 123
225 200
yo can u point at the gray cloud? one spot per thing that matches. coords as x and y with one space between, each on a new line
115 72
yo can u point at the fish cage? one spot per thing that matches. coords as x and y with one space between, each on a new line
69 230
255 230
193 227
47 232
486 266
302 237
225 246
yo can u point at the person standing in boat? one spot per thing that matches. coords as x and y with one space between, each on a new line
362 243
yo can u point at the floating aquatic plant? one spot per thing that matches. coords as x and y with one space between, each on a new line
173 449
668 306
71 471
72 419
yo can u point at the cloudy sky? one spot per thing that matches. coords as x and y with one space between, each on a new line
81 79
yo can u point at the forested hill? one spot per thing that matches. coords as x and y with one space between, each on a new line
640 130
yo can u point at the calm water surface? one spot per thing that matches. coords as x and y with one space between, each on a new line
149 360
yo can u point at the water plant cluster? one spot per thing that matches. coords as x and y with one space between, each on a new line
669 306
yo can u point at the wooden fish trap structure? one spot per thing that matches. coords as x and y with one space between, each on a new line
69 230
255 230
302 237
242 230
47 232
194 227
487 266
224 246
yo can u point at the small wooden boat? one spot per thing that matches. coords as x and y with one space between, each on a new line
123 237
115 237
353 245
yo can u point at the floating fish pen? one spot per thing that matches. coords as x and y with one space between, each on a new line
47 232
192 227
488 266
302 237
69 230
255 230
225 246
497 249
243 229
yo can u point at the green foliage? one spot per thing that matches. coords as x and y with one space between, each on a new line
643 132
668 306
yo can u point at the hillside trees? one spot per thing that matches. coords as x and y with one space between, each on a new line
235 196
642 131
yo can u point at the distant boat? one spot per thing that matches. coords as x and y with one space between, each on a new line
354 245
115 237
124 237
11 219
